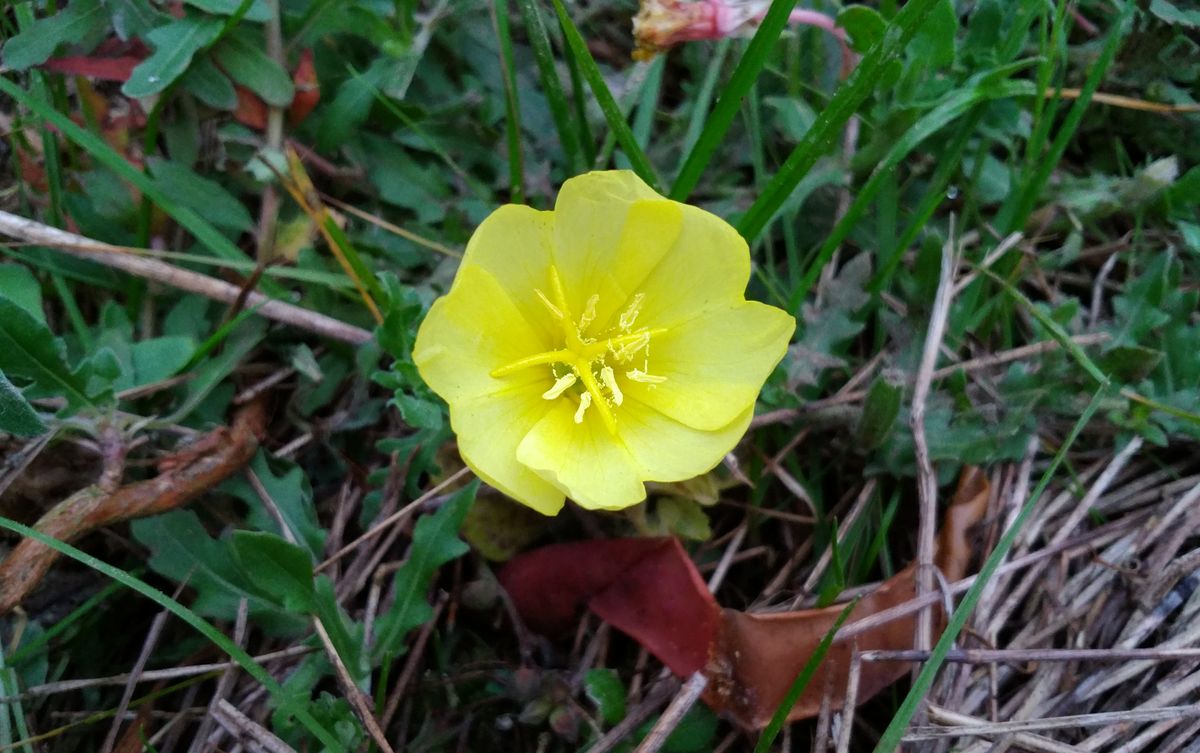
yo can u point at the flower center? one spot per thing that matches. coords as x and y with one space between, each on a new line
589 370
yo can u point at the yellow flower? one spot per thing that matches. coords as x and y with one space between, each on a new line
588 349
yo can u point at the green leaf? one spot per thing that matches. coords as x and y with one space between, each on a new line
160 358
17 416
209 85
18 285
37 42
219 639
289 488
543 57
201 195
744 76
344 633
1172 14
863 25
845 102
277 569
258 11
934 43
174 46
182 550
28 350
246 63
608 105
880 410
435 542
607 691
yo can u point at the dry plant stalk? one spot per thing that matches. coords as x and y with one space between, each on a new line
184 475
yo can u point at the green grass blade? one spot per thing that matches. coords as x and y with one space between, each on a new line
608 105
704 98
1019 212
512 103
950 109
779 718
890 741
543 56
744 76
845 102
202 626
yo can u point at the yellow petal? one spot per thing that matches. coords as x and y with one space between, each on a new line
708 267
610 231
514 245
584 460
715 364
471 331
489 429
670 451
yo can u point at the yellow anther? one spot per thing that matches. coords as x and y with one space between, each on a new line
561 385
631 348
637 375
630 314
610 381
585 399
589 312
555 311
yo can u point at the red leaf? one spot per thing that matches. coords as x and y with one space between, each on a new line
647 588
251 111
106 69
308 90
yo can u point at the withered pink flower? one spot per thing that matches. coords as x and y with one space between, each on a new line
661 24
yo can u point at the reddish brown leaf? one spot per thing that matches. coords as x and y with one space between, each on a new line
647 588
308 90
106 69
758 656
251 111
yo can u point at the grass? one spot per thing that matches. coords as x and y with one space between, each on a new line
959 126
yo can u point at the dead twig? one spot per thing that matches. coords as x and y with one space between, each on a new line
185 475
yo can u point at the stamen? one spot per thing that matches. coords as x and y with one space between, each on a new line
630 314
561 385
585 399
610 381
555 311
637 375
589 312
537 360
630 349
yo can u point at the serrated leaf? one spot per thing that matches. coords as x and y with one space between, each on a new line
277 569
248 65
17 416
28 350
36 44
183 551
288 486
435 542
174 46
